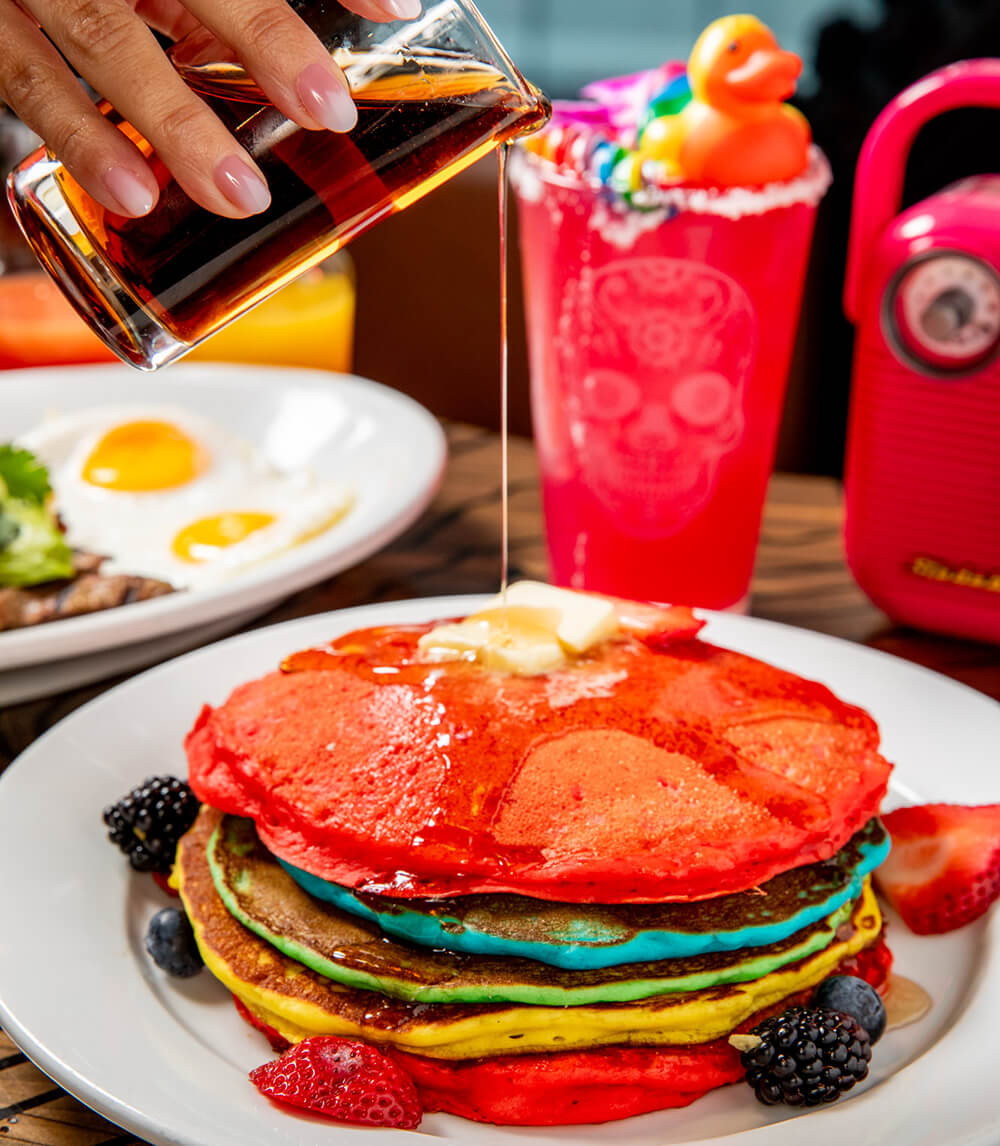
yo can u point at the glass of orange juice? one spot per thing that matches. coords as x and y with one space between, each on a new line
309 323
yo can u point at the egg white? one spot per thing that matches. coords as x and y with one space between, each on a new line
135 531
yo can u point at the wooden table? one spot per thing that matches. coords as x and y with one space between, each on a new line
801 579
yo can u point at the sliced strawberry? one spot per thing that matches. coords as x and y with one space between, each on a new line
944 868
658 626
343 1079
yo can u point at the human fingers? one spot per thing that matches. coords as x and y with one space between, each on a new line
45 94
167 16
285 57
384 9
111 47
287 60
175 21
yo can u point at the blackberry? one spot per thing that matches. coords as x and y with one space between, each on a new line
804 1057
147 823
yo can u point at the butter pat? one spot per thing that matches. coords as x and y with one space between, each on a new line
584 620
536 631
523 657
465 638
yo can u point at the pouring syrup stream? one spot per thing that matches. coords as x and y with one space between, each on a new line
504 385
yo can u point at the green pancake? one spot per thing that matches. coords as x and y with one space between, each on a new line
262 896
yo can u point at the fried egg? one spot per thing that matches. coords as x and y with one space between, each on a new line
167 493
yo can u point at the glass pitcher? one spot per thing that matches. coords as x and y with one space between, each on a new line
433 94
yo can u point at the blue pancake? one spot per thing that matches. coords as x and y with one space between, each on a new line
262 897
581 936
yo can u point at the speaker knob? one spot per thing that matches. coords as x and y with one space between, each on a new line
944 312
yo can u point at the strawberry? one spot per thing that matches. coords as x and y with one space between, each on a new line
659 626
944 868
346 1080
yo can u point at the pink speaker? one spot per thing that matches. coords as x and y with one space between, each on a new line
923 289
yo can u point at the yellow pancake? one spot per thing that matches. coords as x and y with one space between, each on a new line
299 1003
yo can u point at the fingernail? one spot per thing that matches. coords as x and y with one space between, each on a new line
133 196
242 186
403 9
326 98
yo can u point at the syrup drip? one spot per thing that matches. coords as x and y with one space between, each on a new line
905 1002
504 383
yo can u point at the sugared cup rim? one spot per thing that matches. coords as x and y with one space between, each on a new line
729 202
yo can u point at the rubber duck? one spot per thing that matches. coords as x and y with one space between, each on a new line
737 130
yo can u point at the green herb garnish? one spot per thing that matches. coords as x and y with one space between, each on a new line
32 547
24 475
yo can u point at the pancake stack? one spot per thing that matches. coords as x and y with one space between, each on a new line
549 898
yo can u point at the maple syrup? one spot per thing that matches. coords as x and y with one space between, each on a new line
504 191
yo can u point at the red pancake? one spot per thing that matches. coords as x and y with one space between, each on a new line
588 1086
571 1089
653 770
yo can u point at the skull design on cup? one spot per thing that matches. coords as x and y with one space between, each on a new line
655 378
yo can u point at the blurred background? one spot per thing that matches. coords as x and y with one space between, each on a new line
428 281
564 43
427 278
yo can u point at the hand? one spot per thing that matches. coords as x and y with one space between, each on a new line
110 44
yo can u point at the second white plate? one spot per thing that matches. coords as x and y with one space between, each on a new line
384 446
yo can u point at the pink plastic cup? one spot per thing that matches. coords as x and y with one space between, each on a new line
660 337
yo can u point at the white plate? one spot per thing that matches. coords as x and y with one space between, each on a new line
388 449
168 1059
34 681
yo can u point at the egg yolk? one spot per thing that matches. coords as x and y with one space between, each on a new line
141 457
201 540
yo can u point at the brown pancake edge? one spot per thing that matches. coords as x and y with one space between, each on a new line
253 962
264 894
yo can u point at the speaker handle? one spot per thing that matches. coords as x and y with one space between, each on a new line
878 188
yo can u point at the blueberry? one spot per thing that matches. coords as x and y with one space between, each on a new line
854 997
170 943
